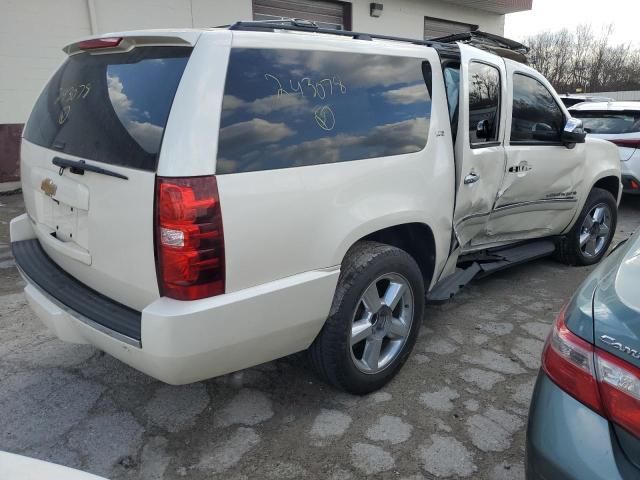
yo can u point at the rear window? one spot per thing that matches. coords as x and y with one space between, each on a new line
111 108
292 108
612 123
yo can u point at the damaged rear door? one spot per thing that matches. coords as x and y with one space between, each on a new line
538 193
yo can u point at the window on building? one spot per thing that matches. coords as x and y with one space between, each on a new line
536 116
293 108
438 27
326 14
484 103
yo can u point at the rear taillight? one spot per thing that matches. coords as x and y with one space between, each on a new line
568 360
96 43
628 143
189 238
620 390
603 382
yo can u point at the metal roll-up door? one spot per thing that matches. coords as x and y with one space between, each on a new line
325 14
436 27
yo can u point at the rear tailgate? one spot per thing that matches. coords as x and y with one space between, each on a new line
106 108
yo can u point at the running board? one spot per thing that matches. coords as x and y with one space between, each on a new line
486 263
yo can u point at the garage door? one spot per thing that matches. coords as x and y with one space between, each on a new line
326 14
436 27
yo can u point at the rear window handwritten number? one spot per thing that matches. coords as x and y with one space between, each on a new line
64 114
280 91
338 82
325 118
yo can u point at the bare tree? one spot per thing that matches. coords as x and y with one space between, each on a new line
584 60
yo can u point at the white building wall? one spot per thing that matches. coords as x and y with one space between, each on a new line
31 35
32 32
406 17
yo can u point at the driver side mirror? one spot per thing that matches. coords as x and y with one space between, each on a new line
573 132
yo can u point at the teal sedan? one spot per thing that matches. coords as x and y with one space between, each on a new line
584 419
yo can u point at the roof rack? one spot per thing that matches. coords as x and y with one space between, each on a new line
504 47
496 44
301 25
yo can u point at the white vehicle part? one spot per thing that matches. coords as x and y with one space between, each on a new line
282 222
185 342
18 467
542 184
475 199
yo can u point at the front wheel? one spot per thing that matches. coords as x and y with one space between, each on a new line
374 319
590 237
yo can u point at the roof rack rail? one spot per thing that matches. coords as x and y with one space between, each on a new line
504 47
300 25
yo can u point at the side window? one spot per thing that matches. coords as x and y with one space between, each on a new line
294 108
484 103
452 85
536 116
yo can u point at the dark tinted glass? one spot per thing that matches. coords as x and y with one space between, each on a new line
292 108
452 85
536 115
484 103
601 122
110 108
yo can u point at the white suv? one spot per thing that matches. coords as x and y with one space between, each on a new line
201 201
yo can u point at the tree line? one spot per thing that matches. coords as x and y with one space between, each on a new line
583 60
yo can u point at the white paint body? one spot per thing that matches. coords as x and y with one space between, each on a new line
286 231
18 467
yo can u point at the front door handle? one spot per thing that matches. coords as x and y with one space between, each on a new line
471 178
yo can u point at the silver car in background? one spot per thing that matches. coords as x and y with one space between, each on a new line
618 122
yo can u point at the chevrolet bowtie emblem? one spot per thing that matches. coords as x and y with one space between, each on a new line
48 187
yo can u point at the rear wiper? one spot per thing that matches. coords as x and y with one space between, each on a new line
80 166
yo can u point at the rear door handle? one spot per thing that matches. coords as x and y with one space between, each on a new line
471 178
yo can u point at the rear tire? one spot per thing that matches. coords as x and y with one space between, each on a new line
374 320
591 235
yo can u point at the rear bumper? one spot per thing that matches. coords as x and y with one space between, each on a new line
183 342
568 441
631 184
630 170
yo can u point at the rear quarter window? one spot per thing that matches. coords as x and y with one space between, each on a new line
111 108
293 108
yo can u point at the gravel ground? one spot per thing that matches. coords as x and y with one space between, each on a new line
457 409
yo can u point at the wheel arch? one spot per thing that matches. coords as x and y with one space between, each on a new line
608 180
417 239
610 183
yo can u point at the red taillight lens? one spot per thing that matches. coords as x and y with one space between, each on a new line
189 238
568 361
628 143
605 383
96 43
620 390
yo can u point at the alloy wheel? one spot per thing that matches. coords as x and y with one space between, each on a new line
595 230
381 323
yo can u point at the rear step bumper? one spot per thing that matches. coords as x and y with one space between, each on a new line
77 299
188 341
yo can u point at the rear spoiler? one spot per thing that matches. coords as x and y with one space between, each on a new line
504 47
126 41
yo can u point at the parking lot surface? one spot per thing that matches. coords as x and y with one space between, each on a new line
457 409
